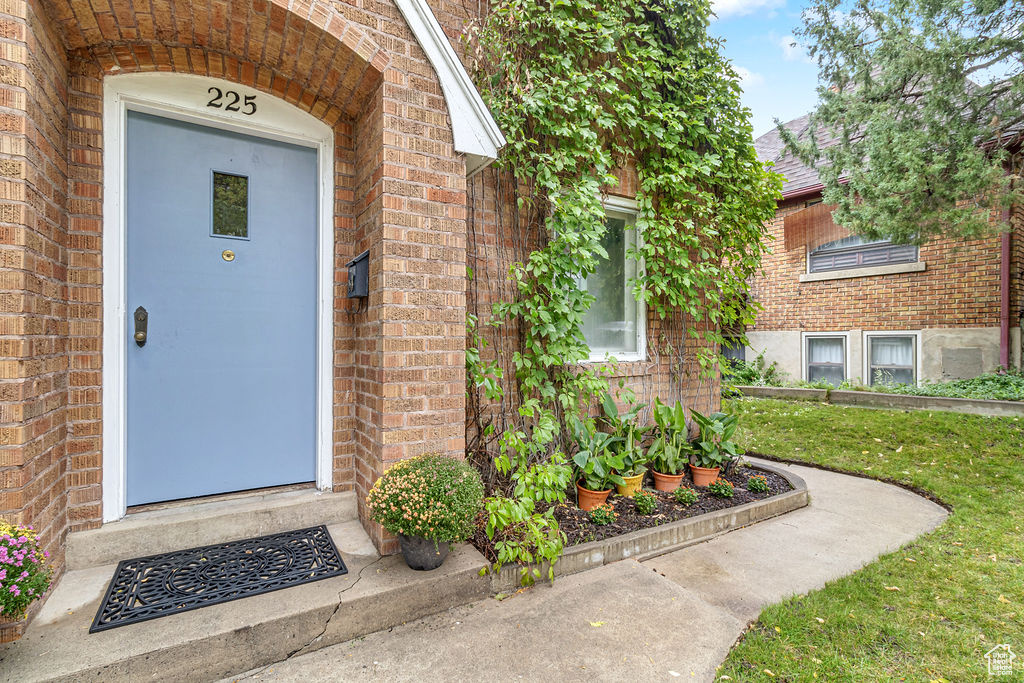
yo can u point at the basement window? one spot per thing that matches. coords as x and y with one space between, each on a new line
892 359
826 359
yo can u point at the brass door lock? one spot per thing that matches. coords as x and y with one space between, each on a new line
141 324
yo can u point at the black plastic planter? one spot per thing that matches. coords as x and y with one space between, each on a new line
423 554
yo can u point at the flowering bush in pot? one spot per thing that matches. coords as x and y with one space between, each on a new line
24 572
429 502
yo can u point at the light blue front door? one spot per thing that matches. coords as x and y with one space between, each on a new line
221 254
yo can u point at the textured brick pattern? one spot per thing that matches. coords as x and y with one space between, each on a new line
400 192
33 274
960 288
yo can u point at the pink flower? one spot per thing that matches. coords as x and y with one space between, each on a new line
15 590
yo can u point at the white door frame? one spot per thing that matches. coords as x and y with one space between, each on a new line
186 97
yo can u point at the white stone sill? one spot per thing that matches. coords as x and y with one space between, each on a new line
891 269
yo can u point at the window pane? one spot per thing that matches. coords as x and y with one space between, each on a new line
830 373
610 324
892 376
733 349
230 205
892 351
825 350
891 360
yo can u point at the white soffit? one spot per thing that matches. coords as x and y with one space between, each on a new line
476 134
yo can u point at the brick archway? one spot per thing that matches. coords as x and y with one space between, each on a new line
399 193
317 61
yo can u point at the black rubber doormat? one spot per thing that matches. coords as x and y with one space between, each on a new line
156 586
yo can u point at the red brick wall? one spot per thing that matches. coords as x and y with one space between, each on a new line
33 281
960 288
400 191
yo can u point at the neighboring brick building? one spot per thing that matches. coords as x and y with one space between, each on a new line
835 307
152 153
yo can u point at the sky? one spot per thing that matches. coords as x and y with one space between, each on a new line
778 79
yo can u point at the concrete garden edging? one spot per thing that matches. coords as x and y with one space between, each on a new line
873 399
647 543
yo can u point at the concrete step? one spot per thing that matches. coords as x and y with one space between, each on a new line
222 640
195 524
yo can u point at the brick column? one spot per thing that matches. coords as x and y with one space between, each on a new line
33 274
413 366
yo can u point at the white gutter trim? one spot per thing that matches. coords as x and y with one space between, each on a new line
475 132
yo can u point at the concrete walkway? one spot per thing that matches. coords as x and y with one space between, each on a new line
673 616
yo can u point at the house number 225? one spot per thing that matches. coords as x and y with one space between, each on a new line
229 100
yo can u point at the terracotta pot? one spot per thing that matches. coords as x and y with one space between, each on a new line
702 476
588 500
632 485
666 482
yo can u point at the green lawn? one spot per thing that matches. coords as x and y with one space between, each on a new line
961 587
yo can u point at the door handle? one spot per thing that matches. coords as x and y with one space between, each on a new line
141 324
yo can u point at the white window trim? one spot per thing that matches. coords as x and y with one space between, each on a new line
805 354
474 130
626 207
184 97
866 346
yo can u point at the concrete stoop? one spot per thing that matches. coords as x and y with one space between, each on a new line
233 637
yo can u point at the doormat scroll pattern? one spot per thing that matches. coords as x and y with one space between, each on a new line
158 585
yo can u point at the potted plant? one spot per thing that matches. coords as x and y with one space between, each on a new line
625 427
596 463
670 451
714 445
429 502
24 572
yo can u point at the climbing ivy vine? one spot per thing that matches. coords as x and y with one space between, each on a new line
582 90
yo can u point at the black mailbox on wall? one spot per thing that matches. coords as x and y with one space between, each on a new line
359 275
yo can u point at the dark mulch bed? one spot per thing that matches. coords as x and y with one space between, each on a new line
578 528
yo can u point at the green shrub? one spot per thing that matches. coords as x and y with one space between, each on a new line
1005 385
431 496
684 495
757 372
758 483
603 514
24 572
721 488
646 502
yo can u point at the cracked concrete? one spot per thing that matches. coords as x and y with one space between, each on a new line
219 640
673 615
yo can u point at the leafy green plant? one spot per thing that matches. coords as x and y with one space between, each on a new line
661 96
646 502
758 372
715 446
630 434
671 450
758 483
24 572
684 495
596 462
431 496
603 514
722 488
522 535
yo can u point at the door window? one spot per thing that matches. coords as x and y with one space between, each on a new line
230 205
